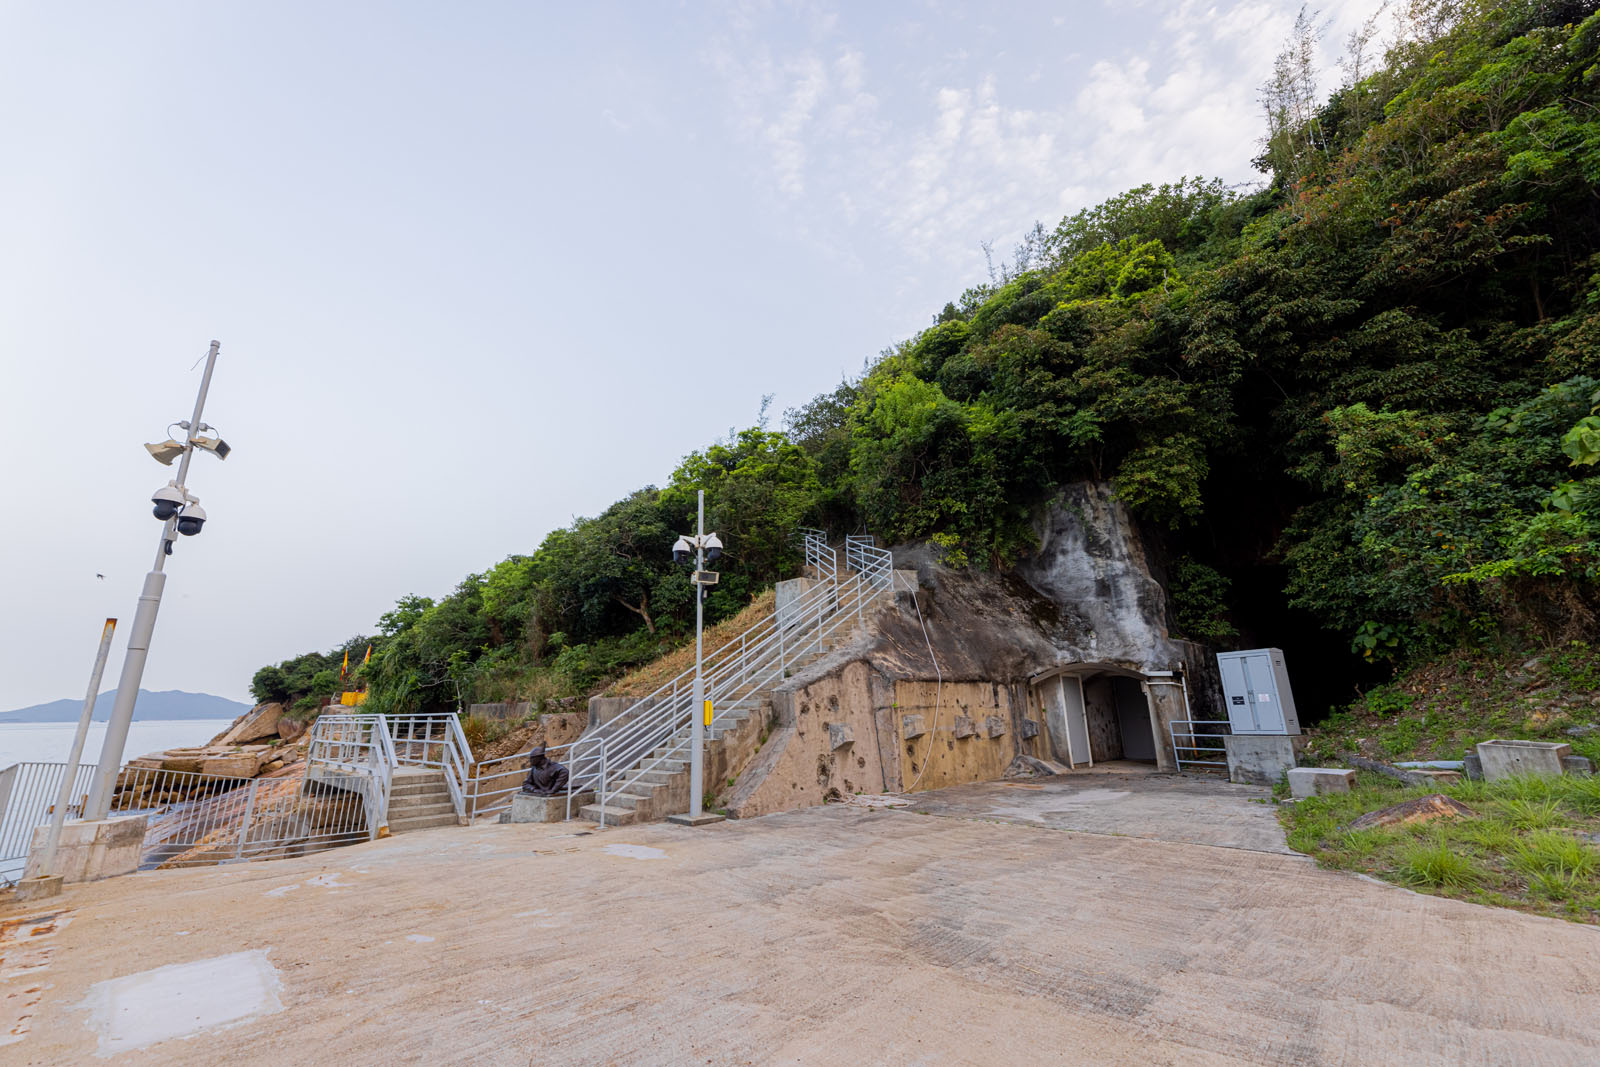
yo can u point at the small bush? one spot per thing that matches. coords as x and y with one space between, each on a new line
1432 863
1550 852
1531 814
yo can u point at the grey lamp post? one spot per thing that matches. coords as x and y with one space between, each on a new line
705 547
180 513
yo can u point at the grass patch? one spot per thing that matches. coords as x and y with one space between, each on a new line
1524 848
1436 865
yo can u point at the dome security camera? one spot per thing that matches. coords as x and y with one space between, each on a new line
713 548
682 551
193 517
167 500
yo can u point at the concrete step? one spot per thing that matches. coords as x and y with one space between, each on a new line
402 787
656 777
402 825
612 816
409 810
627 799
420 794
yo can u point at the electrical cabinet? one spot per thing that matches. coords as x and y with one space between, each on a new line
1255 687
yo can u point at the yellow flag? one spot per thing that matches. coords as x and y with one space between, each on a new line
368 657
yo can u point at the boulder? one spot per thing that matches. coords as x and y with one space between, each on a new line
291 729
182 759
258 724
1422 809
239 765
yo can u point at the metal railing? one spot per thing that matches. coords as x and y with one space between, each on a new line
495 781
199 819
374 745
1201 738
656 729
27 797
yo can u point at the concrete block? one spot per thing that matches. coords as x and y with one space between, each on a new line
1582 766
603 709
1261 759
89 851
787 594
1437 775
1028 729
31 889
840 734
965 727
912 726
528 808
994 726
1503 758
1315 781
705 818
1472 766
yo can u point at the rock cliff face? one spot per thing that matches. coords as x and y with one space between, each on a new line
1094 566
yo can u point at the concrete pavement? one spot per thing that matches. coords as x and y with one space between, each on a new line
828 935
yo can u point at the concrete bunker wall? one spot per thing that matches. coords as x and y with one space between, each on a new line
855 730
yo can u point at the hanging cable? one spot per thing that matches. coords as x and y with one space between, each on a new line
938 692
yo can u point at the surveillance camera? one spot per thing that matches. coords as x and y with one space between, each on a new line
682 551
713 547
167 500
193 517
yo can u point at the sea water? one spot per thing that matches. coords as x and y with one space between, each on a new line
22 742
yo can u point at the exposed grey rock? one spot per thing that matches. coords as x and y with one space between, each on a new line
994 726
912 726
840 734
965 727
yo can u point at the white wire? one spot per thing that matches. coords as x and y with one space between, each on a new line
933 732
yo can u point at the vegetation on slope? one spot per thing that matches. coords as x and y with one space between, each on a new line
1365 387
1529 843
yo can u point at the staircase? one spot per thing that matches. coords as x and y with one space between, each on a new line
639 762
419 799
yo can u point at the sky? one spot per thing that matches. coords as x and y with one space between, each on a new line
478 269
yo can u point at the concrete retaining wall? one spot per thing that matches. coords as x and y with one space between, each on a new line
966 732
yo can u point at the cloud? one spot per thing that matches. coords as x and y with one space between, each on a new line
931 159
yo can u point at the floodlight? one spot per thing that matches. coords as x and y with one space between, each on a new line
165 452
214 444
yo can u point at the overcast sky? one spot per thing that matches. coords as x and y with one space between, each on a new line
480 268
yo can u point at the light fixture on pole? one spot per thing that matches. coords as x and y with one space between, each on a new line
702 546
180 513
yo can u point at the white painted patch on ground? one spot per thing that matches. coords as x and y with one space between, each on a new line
181 933
330 880
182 1000
281 890
421 939
877 800
637 852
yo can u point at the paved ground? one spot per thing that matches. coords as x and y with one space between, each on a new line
1125 799
832 935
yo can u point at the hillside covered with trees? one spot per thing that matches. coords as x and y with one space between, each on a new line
1359 401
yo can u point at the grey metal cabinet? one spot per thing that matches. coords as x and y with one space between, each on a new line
1255 687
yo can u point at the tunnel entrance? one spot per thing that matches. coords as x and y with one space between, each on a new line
1094 715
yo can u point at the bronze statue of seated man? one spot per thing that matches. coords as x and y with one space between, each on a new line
546 777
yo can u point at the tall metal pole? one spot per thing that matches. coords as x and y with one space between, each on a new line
58 817
696 730
144 625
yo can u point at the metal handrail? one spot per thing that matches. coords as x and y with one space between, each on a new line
378 744
1192 735
655 728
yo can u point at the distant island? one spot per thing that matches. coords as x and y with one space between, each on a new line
168 705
